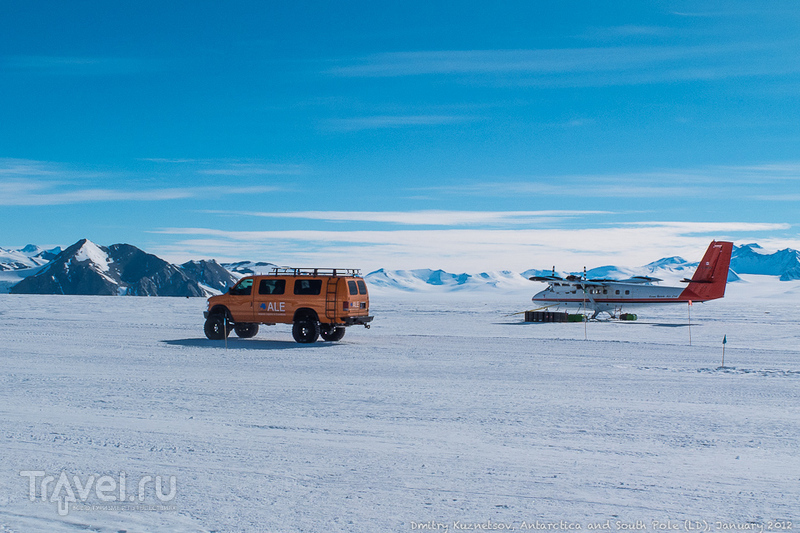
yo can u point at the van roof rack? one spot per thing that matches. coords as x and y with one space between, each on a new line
293 271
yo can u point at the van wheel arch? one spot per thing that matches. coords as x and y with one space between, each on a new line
305 314
222 311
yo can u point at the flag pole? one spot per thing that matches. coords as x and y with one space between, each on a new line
690 322
724 342
585 316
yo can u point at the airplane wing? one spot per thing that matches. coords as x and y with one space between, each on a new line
595 282
573 281
640 279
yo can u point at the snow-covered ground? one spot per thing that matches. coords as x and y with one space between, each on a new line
449 412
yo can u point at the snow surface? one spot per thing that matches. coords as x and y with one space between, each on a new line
450 411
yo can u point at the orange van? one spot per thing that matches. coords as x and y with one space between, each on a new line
316 301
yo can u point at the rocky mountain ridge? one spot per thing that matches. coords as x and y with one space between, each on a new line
122 269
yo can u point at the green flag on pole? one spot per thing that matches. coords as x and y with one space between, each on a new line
725 339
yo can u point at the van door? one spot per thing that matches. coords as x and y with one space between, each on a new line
270 300
240 301
357 300
306 292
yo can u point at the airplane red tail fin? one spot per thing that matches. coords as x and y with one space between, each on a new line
711 276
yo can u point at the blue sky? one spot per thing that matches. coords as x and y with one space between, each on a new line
462 135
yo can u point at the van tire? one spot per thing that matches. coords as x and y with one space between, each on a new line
305 331
215 328
246 331
332 334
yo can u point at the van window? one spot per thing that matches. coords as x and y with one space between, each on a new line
272 286
243 288
362 287
351 286
308 286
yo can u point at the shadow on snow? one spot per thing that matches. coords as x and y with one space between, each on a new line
243 344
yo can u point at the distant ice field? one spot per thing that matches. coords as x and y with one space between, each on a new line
449 411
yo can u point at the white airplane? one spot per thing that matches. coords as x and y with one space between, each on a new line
611 296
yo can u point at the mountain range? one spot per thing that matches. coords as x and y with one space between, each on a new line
30 256
123 269
746 259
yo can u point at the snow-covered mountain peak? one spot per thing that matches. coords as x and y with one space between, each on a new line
428 279
245 268
89 251
31 256
753 248
31 249
121 269
752 259
667 262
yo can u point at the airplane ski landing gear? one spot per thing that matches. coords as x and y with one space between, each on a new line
622 317
552 316
562 316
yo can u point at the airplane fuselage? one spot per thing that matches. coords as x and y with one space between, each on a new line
608 298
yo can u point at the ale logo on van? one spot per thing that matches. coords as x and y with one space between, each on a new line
276 307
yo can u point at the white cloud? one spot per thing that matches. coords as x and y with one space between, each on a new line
733 182
584 186
394 121
591 66
467 250
37 183
429 217
629 30
19 192
253 169
778 197
498 61
229 167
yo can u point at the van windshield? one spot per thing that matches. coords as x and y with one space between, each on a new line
243 288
